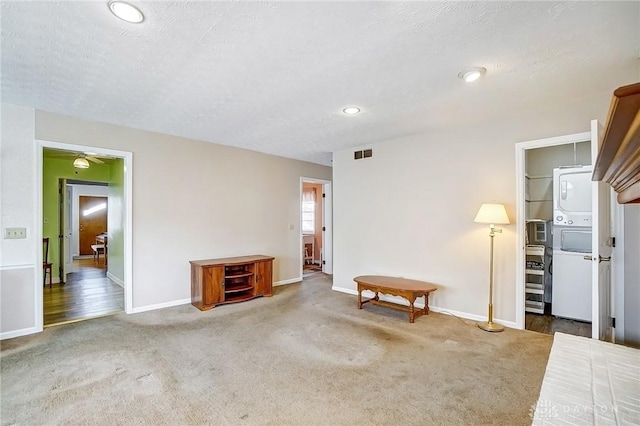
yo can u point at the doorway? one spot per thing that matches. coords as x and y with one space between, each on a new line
316 247
89 209
559 286
565 307
82 288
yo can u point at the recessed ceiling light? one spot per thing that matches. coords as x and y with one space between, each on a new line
351 110
126 12
472 74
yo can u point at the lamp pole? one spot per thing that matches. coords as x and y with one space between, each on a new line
490 325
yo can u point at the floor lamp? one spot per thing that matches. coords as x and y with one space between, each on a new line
493 214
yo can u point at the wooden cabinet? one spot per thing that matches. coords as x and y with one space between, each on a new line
618 160
229 280
264 273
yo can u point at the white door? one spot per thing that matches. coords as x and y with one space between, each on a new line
327 230
68 259
64 231
601 250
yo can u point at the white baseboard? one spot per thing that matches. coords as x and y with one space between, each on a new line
345 290
115 279
473 317
160 306
18 333
420 304
290 281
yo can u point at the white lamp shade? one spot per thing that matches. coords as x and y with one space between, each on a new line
81 163
492 213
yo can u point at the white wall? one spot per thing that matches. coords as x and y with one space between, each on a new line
409 210
197 200
18 258
191 200
77 192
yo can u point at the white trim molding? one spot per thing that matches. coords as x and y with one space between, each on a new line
289 281
344 290
521 148
17 333
161 306
127 156
13 267
115 279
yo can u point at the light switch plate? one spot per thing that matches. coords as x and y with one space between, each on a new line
15 233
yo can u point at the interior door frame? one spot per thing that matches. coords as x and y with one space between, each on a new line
63 230
602 311
127 156
327 223
521 148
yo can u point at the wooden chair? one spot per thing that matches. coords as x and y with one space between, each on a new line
46 266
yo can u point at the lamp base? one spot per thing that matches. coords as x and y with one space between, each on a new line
490 326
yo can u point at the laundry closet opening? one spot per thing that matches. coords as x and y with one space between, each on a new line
558 199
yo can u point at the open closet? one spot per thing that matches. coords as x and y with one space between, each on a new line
558 239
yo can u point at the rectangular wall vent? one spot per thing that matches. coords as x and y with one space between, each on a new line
365 153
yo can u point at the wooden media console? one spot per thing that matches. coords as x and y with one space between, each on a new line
229 280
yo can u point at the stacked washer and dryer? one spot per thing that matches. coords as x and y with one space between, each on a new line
572 227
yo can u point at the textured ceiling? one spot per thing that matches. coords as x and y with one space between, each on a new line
274 76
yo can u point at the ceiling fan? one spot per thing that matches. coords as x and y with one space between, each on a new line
82 163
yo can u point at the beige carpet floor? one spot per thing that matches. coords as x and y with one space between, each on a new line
306 356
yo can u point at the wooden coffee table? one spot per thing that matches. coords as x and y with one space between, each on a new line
408 289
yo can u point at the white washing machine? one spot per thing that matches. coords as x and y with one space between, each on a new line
572 284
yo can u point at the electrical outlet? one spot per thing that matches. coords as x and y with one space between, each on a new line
15 233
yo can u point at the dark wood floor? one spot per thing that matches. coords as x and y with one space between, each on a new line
309 270
549 324
87 293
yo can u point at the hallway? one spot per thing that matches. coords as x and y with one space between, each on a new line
88 293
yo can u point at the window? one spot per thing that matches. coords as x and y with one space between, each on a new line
309 211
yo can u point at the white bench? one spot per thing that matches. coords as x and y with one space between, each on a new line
97 249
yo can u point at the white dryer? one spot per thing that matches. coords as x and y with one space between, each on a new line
572 196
